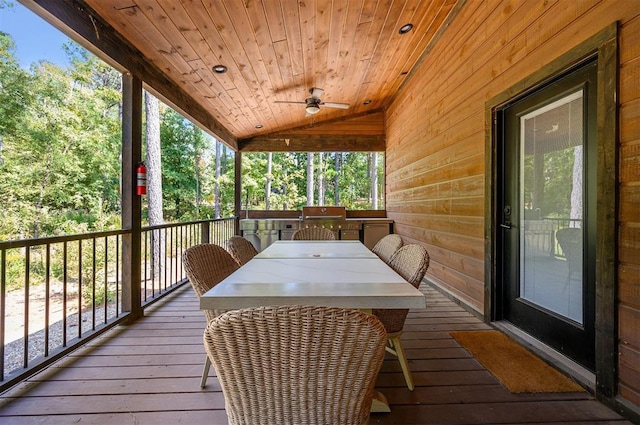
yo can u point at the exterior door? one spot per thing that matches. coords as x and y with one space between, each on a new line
547 210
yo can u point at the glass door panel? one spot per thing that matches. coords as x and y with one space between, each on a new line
551 197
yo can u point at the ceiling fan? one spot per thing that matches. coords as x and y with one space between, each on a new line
313 102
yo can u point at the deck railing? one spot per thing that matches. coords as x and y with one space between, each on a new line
58 292
541 234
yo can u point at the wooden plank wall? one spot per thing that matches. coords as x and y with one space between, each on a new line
435 141
629 212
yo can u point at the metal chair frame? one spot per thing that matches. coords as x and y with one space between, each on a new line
411 262
206 265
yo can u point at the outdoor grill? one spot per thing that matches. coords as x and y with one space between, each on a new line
263 232
333 218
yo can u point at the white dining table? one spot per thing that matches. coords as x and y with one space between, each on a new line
330 273
316 249
322 273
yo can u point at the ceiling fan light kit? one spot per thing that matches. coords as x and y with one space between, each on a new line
312 108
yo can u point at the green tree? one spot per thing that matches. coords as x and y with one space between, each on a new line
558 173
347 177
182 145
224 198
253 174
354 182
60 170
14 83
103 106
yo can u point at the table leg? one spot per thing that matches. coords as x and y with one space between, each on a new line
380 403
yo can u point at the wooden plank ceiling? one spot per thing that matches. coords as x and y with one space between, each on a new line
277 50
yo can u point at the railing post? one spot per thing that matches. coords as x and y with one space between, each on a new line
131 202
204 231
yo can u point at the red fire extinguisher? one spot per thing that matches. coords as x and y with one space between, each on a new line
141 185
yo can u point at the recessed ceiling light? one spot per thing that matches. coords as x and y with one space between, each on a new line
405 28
366 102
259 126
219 69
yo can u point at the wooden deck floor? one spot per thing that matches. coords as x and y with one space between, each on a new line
149 373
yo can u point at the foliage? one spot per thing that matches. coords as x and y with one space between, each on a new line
61 145
61 155
182 145
557 191
188 173
555 184
288 188
14 83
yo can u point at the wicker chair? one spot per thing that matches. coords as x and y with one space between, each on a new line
387 246
206 265
313 234
296 364
411 262
241 249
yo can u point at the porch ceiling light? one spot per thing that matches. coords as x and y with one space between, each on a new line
219 69
405 28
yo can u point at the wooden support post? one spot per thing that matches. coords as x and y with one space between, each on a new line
131 202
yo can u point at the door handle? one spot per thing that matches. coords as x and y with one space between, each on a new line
506 225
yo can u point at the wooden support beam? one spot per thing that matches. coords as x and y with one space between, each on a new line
304 143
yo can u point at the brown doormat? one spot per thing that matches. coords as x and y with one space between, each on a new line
519 370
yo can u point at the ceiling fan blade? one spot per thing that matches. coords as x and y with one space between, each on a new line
289 101
335 105
316 92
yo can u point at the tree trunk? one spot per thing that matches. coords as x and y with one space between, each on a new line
217 183
44 182
284 192
198 195
321 178
267 187
310 178
374 180
576 190
154 182
336 178
285 182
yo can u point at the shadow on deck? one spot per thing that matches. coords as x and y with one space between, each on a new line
149 373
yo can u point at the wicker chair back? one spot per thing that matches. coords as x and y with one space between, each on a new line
313 234
241 249
296 364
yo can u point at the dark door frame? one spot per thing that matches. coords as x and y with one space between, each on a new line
604 45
